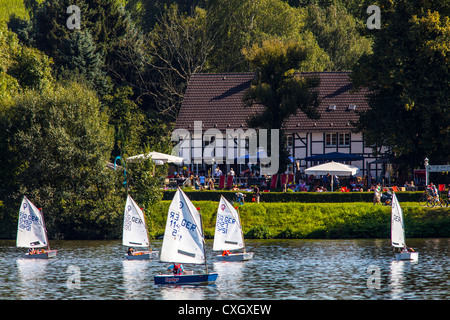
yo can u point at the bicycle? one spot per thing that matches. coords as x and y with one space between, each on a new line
424 199
437 201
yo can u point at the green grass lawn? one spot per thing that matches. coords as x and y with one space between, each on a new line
318 220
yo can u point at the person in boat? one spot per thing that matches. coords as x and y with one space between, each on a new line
31 251
406 250
176 269
130 251
226 253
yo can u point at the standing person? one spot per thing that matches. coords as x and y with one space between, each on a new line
232 173
256 194
377 194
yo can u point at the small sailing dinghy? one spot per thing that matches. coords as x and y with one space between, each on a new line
228 233
184 242
398 233
31 232
135 232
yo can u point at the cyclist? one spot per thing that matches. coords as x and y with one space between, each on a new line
432 190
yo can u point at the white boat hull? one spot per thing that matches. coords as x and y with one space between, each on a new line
143 255
42 255
407 256
236 257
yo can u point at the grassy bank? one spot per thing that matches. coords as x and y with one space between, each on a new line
318 220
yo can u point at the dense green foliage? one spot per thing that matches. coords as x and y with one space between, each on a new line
73 100
319 220
279 89
300 197
408 74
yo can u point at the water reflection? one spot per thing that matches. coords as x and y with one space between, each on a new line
135 278
32 278
229 279
281 269
396 278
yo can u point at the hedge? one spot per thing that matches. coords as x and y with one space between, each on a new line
302 197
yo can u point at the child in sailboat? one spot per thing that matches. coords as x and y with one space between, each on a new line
176 269
405 250
130 251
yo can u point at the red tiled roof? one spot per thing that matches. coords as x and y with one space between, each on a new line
216 100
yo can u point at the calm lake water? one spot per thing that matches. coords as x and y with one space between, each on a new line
281 269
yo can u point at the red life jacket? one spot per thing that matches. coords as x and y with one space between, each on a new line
177 269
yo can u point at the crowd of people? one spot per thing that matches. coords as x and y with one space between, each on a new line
245 181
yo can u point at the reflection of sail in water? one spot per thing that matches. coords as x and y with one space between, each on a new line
183 292
134 278
32 283
230 276
396 275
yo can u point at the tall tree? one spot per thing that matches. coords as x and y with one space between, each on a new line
279 88
337 33
58 143
409 79
177 47
78 55
236 24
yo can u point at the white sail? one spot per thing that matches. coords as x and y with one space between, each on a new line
183 240
31 231
134 226
397 228
228 232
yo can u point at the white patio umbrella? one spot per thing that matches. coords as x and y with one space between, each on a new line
334 169
158 157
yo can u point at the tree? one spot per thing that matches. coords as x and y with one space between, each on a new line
128 121
279 88
409 80
337 33
78 54
57 143
236 24
177 47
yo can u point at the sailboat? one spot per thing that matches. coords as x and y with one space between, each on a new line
31 232
135 232
184 242
228 233
398 232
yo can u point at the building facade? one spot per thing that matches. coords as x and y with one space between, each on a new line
211 128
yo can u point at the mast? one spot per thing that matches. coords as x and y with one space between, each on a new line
203 239
45 229
242 232
145 223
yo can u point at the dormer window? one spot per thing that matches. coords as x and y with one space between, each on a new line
351 107
332 107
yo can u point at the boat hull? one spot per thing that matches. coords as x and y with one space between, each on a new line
44 255
235 257
143 255
185 278
407 256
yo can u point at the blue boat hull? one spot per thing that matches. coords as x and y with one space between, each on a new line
185 278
